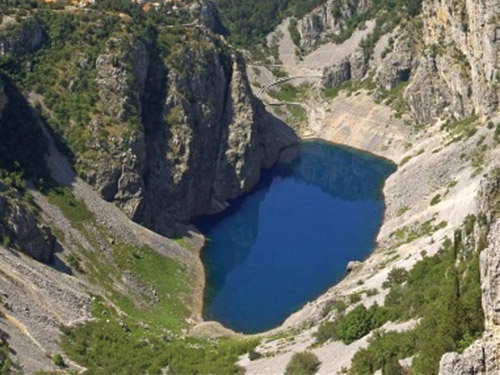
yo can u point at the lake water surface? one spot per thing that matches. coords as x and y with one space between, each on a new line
290 239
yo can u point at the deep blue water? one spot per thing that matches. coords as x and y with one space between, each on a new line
290 239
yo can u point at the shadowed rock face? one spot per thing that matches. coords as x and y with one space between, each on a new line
204 137
20 226
3 98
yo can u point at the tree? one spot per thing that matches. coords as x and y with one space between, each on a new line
303 363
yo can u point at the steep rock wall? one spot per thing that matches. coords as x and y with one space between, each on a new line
328 21
200 136
483 357
458 68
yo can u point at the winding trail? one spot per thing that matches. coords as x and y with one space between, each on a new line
284 80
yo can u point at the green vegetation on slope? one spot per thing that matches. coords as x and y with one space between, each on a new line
443 291
110 346
142 331
250 21
6 365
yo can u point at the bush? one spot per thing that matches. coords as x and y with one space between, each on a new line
396 277
384 349
436 199
326 331
58 360
294 32
359 322
354 298
254 355
443 292
304 363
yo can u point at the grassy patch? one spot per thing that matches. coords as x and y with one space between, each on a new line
290 93
110 346
73 209
166 277
395 99
298 114
350 87
463 129
279 73
402 210
408 234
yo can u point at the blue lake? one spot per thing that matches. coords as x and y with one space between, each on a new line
290 239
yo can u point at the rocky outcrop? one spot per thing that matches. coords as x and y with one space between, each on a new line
189 134
483 357
24 39
461 60
359 61
121 76
328 21
337 74
216 139
355 66
206 14
19 229
428 95
397 66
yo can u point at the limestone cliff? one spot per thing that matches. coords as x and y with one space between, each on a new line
329 21
459 63
198 136
161 121
448 53
20 229
483 356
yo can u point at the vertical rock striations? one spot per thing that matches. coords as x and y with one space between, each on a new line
483 357
213 142
190 133
458 70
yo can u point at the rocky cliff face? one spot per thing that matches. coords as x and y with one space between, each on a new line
328 21
187 133
449 54
483 357
19 228
121 75
25 38
214 140
460 60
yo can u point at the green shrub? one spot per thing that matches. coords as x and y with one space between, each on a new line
326 331
294 32
384 351
397 276
254 355
354 298
303 363
359 322
436 199
6 365
58 360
